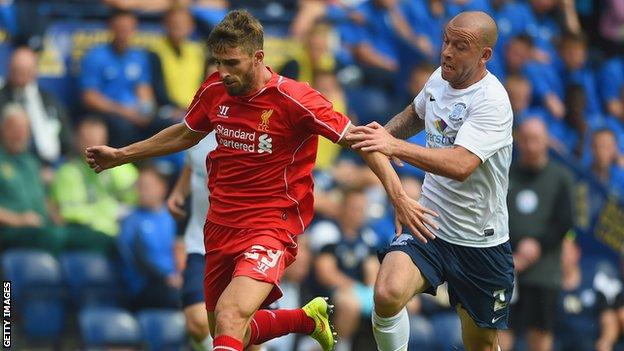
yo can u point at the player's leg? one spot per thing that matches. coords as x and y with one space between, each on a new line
197 326
397 281
476 338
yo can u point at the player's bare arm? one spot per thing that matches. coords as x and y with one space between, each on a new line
176 138
405 124
408 210
181 189
456 163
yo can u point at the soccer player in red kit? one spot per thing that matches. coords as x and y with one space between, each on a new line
260 182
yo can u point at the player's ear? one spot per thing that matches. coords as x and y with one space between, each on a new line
486 55
258 57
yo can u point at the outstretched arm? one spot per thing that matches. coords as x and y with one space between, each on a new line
456 163
176 138
408 211
405 124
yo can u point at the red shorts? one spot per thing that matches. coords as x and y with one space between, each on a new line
261 254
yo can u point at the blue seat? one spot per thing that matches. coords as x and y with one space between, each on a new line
108 326
37 290
91 279
163 329
32 273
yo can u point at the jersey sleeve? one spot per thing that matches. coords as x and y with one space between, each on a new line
487 128
196 118
420 100
316 114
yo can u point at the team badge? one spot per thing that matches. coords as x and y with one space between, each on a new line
264 120
458 112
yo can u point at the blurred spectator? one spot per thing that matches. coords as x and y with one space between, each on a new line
612 25
208 13
178 64
520 91
8 20
585 321
146 245
547 87
327 84
91 204
575 69
417 79
116 83
540 214
145 5
612 87
605 167
24 219
49 123
347 267
570 132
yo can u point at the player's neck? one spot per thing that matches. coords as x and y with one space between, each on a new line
473 80
263 76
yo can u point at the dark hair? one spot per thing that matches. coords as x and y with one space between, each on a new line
151 167
239 28
524 38
120 13
573 38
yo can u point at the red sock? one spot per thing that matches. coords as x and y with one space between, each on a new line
226 343
266 325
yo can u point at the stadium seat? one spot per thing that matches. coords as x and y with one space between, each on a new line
447 329
33 273
162 329
108 326
37 290
91 279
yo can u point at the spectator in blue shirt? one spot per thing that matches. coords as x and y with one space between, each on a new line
146 246
116 83
612 85
575 70
605 167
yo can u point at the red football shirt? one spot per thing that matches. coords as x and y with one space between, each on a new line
260 174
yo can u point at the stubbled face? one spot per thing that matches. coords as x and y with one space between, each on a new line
461 55
236 68
604 148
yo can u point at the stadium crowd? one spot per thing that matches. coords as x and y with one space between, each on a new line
561 61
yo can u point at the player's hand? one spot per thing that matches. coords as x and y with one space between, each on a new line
175 204
373 137
102 157
409 212
175 280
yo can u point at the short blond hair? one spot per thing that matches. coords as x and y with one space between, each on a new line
239 28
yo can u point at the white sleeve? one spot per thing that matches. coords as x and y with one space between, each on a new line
487 128
419 103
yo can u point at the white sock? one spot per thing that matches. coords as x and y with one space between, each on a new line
392 333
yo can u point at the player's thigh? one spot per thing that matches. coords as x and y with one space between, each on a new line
399 278
476 338
244 296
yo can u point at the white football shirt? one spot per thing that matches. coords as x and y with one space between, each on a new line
196 158
478 118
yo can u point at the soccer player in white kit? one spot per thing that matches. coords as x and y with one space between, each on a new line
192 181
468 121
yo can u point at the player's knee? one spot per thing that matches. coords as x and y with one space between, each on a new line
389 297
231 317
